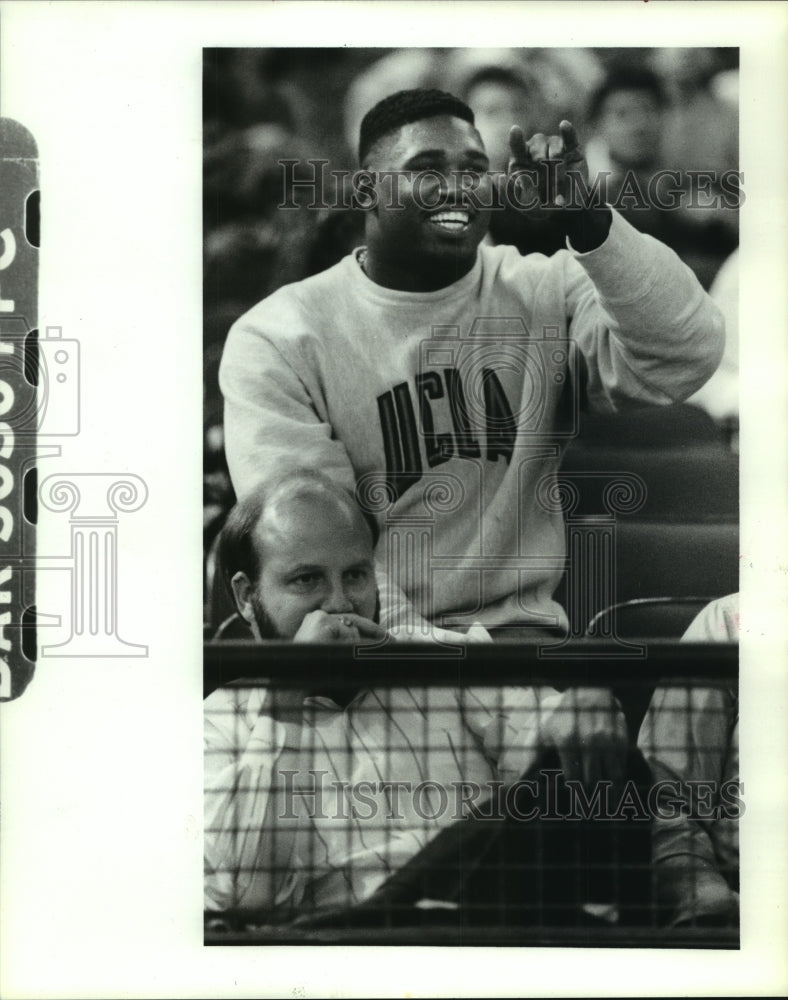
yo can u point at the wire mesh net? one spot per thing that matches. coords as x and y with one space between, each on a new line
447 810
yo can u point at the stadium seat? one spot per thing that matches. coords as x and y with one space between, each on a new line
690 473
651 559
679 559
650 427
683 538
644 619
647 618
690 484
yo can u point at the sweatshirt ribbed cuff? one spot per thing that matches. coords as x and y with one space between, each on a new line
622 269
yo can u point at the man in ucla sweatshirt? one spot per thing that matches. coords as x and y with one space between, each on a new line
438 376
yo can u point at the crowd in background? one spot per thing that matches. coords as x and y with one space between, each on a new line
637 111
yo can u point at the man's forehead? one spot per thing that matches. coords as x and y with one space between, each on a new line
430 134
294 505
289 517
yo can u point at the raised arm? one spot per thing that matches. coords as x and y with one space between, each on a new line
648 332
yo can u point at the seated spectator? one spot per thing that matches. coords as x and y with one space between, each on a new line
629 112
299 559
690 738
251 247
501 88
701 128
701 133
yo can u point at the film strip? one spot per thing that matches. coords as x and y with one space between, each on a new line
20 414
40 410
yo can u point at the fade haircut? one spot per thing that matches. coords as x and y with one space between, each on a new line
237 549
404 107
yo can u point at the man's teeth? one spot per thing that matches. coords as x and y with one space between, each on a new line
454 221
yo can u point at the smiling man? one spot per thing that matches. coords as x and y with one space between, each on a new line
427 167
439 376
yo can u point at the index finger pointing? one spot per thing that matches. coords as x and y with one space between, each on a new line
569 135
517 145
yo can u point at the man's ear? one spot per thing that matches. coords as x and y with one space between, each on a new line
364 193
243 590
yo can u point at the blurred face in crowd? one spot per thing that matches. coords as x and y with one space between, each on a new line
431 239
315 552
685 68
631 123
497 105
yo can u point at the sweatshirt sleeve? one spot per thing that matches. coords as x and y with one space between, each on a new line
647 330
272 420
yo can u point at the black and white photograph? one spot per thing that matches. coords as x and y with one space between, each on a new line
479 310
479 393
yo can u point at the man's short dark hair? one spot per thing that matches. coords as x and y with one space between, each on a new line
404 107
238 552
626 78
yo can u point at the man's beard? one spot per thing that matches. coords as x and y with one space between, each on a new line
265 623
321 688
